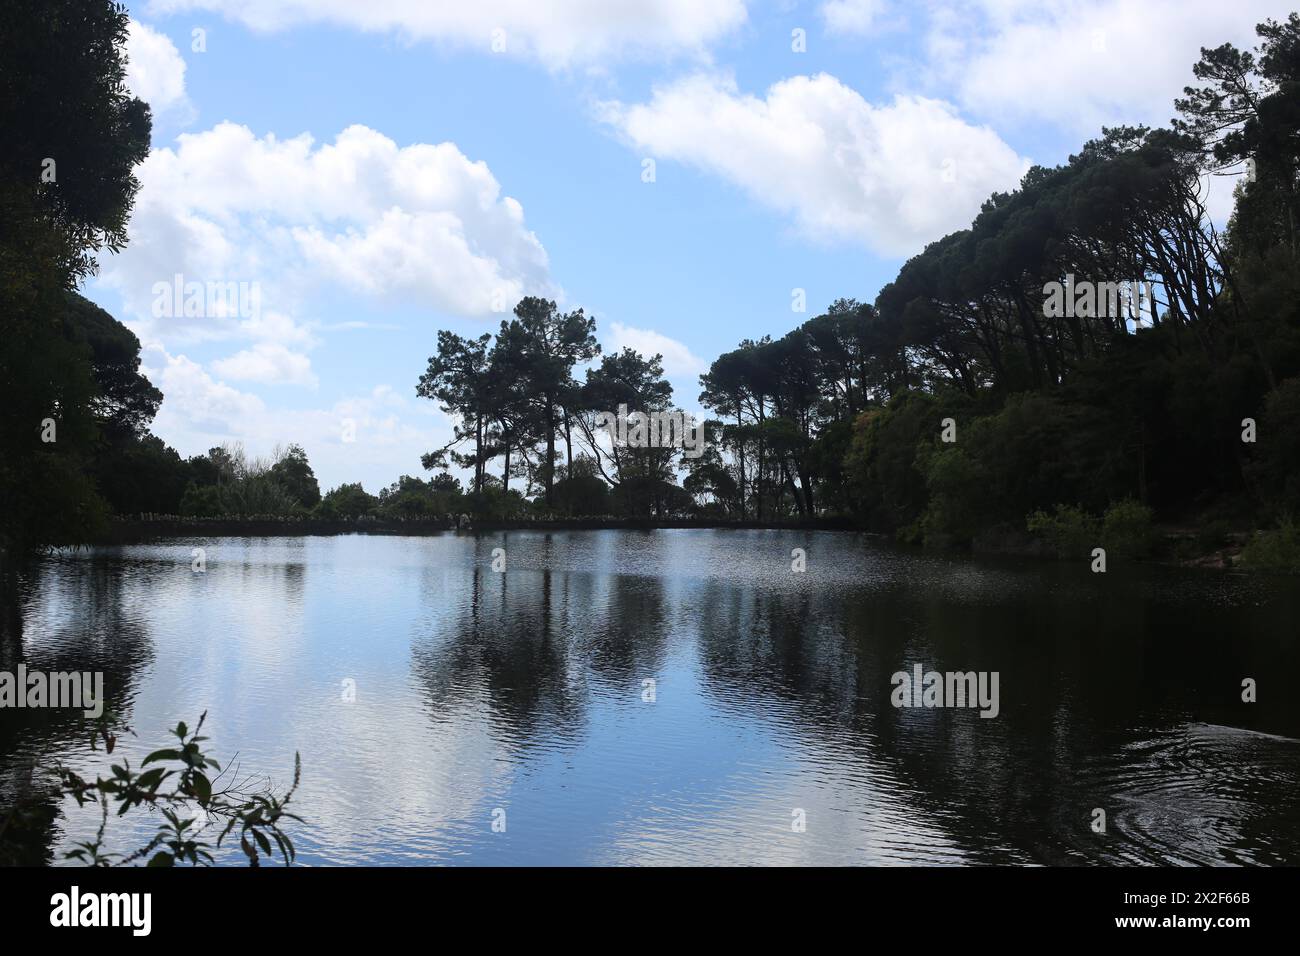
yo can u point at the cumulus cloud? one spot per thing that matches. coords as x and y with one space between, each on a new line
679 361
196 404
155 71
269 363
283 219
852 16
369 435
1082 64
558 33
892 177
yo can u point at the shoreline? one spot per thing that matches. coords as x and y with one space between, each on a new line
1175 545
137 531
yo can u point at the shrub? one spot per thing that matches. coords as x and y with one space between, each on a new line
1126 529
1277 550
1070 530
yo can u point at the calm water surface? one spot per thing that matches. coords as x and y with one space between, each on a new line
526 692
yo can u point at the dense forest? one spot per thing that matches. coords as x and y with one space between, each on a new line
985 395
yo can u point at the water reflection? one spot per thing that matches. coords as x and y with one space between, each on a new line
684 697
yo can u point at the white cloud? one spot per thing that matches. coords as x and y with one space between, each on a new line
1081 65
420 225
678 359
893 177
269 363
296 224
197 404
559 33
372 436
155 71
852 16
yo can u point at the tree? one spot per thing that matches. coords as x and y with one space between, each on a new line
293 473
350 501
551 344
623 379
64 99
518 421
457 377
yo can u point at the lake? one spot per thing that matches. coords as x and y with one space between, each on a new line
684 697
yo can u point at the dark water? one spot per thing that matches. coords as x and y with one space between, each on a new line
526 692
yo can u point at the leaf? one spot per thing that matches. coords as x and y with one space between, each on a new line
150 779
201 786
162 858
163 755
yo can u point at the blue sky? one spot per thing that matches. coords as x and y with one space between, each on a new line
378 171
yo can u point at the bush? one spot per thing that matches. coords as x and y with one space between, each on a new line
1276 464
349 501
1070 530
1277 550
1126 530
958 489
201 501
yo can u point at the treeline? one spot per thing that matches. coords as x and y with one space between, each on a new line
986 393
73 402
1005 381
1186 408
1190 410
516 400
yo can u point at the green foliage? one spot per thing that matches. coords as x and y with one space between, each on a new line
64 92
1070 530
255 495
496 503
887 485
958 495
840 415
1277 550
226 484
184 785
348 501
64 95
201 501
1126 530
292 472
582 495
1276 464
413 498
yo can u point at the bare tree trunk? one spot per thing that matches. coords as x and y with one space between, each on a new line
550 449
740 447
478 455
568 442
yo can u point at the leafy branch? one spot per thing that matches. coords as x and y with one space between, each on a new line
179 781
